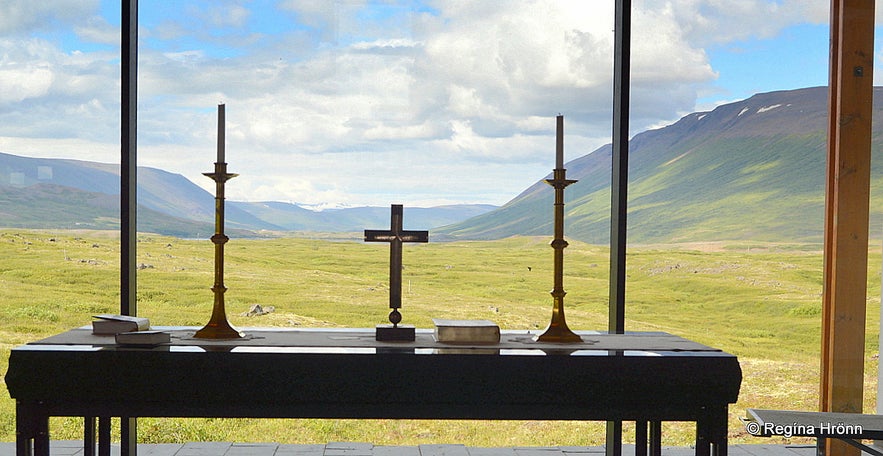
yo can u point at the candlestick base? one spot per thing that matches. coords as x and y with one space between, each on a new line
218 327
395 333
557 333
218 332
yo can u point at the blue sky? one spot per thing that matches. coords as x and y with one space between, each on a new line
797 57
351 102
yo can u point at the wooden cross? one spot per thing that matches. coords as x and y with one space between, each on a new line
395 235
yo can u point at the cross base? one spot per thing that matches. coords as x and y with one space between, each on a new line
399 333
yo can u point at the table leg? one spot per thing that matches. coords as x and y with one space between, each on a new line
720 446
128 436
711 432
41 441
23 446
640 438
24 429
655 438
613 445
32 430
104 436
718 431
703 443
89 436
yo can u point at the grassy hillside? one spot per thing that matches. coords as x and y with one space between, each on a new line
758 301
58 207
750 170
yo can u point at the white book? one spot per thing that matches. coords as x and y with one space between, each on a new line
466 331
108 325
143 338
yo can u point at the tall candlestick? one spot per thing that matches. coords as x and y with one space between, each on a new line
218 327
557 331
221 138
559 144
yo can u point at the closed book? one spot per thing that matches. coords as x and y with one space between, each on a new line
109 325
143 338
466 331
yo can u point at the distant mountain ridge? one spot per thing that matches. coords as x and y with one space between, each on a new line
753 169
291 217
62 193
749 170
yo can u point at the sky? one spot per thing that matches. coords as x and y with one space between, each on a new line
354 103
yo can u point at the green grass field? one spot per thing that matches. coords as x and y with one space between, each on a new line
761 302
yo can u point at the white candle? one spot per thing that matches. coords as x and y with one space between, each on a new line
559 144
221 139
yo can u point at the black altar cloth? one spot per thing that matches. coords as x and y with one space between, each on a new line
346 374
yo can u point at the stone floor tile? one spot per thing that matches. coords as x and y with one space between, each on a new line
443 450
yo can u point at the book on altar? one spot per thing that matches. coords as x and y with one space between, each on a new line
143 338
466 331
108 325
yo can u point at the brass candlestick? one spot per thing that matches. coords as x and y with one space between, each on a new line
218 327
557 331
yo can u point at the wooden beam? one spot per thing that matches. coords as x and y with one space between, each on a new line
846 210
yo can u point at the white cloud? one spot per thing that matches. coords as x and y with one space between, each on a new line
17 16
23 81
322 16
51 94
340 108
707 22
220 14
97 30
71 148
476 64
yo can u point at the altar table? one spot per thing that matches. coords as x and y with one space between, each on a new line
345 373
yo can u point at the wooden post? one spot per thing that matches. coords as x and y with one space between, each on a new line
846 210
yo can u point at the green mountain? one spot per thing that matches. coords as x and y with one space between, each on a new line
753 169
59 207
